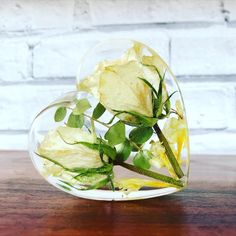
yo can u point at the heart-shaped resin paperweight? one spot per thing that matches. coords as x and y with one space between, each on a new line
122 135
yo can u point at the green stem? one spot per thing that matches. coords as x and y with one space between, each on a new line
93 130
135 145
102 123
152 174
169 153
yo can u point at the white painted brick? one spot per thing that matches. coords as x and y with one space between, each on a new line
107 12
60 56
20 103
230 8
208 105
231 100
13 141
82 17
202 52
14 61
17 15
213 143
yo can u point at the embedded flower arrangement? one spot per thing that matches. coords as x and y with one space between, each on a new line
132 91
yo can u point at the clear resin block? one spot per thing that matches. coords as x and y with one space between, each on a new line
122 135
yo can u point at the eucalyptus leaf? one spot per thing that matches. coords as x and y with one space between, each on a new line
98 111
116 133
141 160
82 105
140 135
60 114
75 121
123 150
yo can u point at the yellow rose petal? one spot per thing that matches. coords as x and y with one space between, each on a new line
134 184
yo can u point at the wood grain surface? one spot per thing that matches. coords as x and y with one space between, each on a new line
30 206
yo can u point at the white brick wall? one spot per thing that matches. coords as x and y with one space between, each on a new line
230 9
204 52
20 103
42 42
20 15
206 103
107 12
63 53
14 61
59 56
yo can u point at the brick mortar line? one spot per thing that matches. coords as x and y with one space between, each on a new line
162 25
206 78
225 13
114 28
50 34
13 132
71 80
36 82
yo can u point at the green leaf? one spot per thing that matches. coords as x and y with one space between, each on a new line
82 105
149 85
140 135
60 114
98 111
167 103
155 105
158 102
167 107
157 99
141 160
161 116
123 150
64 186
142 120
75 121
108 150
106 168
92 180
116 133
100 184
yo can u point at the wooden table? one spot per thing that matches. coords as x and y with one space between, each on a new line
30 206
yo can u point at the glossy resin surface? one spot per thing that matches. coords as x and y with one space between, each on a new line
122 135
